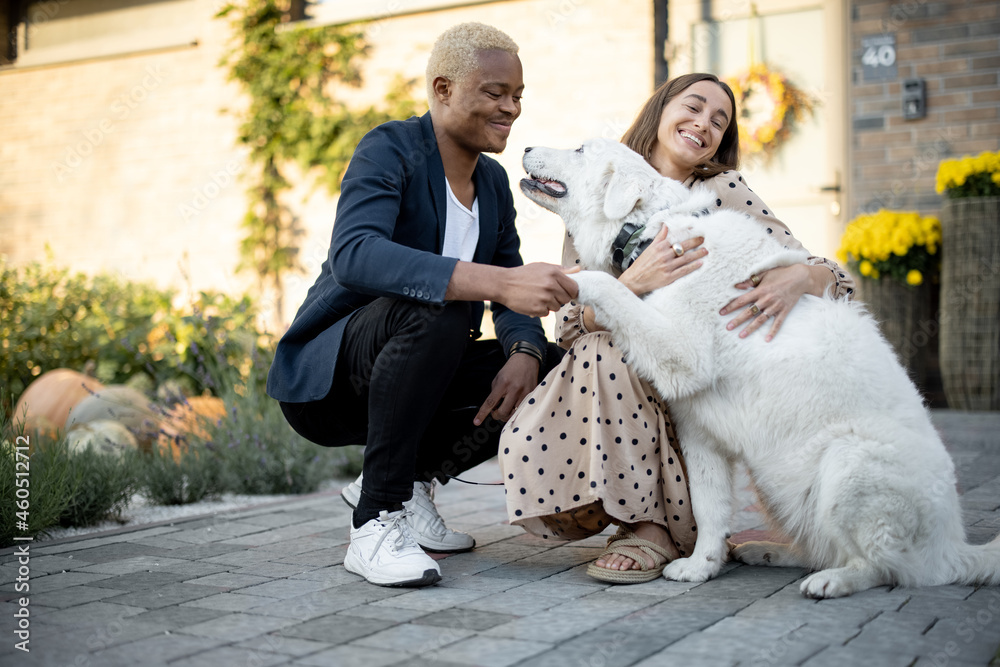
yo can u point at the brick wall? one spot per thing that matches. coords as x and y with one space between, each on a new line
954 46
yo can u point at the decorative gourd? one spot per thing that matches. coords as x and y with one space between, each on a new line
104 435
190 418
46 403
122 404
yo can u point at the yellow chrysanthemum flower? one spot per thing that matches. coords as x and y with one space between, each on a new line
914 277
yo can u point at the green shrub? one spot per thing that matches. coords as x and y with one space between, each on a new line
47 470
51 318
191 478
101 486
260 452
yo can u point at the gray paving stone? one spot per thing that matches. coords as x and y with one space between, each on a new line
305 545
839 656
117 551
75 595
515 604
230 602
572 618
243 558
160 648
162 542
91 615
276 642
277 570
489 651
464 618
53 564
556 589
355 655
309 606
228 580
601 648
336 628
892 631
285 588
177 617
334 575
231 655
163 596
395 614
127 565
318 558
749 582
410 638
137 581
195 569
973 638
237 626
202 551
432 598
60 580
479 583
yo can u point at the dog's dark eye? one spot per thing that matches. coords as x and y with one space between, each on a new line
580 149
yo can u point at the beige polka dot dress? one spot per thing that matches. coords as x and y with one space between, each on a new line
593 444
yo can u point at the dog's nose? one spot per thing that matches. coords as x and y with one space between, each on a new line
528 149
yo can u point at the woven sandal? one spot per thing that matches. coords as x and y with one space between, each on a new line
617 544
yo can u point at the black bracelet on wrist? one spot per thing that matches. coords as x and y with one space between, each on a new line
525 347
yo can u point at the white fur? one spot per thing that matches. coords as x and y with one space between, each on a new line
836 438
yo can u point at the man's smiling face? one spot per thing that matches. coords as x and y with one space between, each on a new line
479 110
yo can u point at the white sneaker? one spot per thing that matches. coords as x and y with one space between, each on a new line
424 521
384 552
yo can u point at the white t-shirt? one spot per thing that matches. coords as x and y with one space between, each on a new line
461 228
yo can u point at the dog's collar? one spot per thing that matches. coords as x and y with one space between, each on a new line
626 247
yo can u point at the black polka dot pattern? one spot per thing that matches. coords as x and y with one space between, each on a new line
606 465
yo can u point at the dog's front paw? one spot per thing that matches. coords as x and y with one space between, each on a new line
692 569
592 285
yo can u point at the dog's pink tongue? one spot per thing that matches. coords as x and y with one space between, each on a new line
555 185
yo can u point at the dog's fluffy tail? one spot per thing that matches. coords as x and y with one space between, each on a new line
979 564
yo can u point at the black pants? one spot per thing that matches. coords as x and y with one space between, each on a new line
409 381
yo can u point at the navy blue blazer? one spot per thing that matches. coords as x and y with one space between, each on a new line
387 241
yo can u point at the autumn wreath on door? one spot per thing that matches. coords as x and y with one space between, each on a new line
769 108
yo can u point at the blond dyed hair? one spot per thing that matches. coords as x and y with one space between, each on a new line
455 53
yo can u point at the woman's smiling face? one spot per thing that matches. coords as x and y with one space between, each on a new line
691 128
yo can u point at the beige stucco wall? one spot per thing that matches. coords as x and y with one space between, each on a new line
126 163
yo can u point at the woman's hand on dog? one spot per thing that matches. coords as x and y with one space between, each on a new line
775 296
659 265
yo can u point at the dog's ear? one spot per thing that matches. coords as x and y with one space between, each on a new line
625 190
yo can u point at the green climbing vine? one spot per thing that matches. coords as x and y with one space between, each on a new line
293 117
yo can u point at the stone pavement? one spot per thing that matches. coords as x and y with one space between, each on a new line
265 586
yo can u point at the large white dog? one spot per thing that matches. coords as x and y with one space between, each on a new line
840 448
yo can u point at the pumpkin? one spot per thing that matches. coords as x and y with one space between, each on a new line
46 403
190 417
122 404
104 435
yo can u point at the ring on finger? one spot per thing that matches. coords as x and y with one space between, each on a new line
678 249
754 310
754 279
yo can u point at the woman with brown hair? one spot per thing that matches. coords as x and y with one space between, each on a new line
593 445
